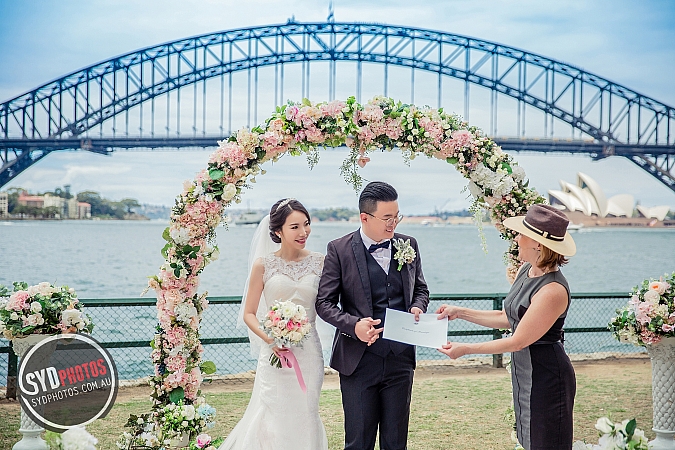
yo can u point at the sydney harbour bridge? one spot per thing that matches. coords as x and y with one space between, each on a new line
194 91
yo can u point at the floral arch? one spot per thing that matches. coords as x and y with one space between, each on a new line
496 183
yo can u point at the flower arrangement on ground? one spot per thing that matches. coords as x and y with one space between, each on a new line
649 315
76 438
41 309
616 436
157 429
287 324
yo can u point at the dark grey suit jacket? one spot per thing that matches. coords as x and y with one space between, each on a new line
345 280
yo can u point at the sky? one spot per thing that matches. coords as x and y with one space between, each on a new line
628 42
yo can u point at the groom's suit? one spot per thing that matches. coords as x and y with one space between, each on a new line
376 381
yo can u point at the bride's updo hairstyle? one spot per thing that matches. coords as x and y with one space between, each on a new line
280 211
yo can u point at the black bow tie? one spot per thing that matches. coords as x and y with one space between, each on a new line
374 247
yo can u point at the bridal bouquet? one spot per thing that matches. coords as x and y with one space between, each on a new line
287 324
649 315
616 436
41 309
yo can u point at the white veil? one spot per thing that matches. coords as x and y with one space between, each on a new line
261 245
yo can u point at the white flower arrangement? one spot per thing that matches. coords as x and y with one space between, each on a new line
405 254
649 315
615 436
157 430
76 438
41 309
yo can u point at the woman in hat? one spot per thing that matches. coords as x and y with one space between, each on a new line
535 308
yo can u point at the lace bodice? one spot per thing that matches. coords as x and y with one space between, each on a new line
293 280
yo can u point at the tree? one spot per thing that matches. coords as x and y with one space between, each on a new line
334 213
99 205
13 194
130 203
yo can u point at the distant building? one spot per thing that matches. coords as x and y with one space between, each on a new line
4 204
588 197
72 209
656 212
66 208
52 201
83 210
36 201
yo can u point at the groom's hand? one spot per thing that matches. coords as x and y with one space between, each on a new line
365 330
415 310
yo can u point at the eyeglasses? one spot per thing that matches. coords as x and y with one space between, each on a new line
390 221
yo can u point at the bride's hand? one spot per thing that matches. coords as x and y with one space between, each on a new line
279 350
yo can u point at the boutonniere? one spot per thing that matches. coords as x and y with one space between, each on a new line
405 254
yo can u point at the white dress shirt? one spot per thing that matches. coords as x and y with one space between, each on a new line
381 255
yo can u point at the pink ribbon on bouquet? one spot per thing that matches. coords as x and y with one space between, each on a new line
288 361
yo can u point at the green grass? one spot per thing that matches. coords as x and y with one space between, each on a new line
462 412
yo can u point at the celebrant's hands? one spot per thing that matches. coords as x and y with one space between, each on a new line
365 330
454 350
451 312
415 310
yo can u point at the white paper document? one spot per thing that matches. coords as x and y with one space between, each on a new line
428 332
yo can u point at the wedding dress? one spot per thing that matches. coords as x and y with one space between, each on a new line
280 415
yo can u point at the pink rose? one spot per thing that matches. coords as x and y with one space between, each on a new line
652 297
291 112
203 440
362 161
659 286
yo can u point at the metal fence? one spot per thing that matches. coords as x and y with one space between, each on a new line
125 327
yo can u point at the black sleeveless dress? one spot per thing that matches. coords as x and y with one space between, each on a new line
543 379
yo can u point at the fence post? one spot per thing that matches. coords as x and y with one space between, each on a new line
497 359
12 366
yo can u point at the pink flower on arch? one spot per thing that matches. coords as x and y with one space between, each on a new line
175 336
462 138
333 109
362 161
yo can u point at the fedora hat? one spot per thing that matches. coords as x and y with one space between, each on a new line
546 225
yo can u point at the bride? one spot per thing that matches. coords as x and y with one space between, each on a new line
280 415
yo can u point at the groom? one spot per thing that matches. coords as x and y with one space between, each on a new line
361 274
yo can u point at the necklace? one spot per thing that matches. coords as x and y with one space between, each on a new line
531 274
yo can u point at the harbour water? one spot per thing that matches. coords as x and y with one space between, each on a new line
111 259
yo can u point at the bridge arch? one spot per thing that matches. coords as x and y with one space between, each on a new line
76 105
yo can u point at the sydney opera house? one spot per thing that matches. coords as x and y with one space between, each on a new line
588 198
